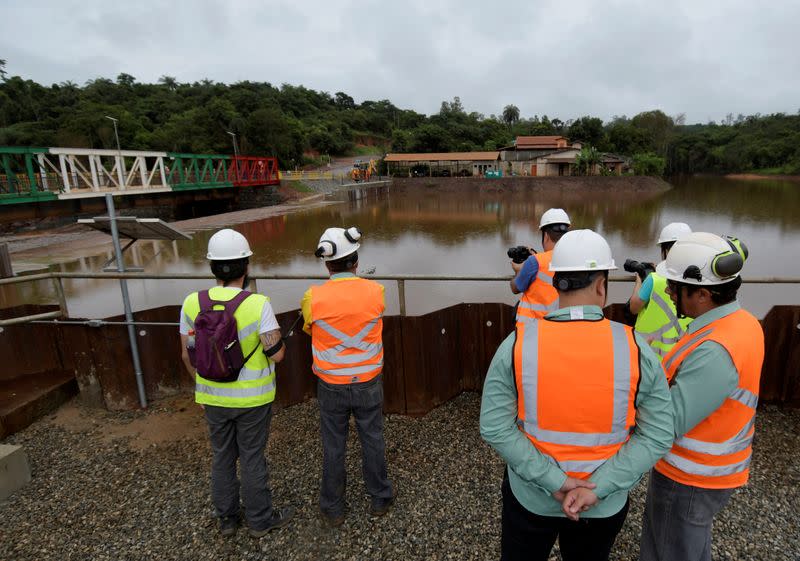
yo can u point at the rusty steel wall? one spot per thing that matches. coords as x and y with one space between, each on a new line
429 359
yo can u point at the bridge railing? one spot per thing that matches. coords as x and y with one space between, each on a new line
309 175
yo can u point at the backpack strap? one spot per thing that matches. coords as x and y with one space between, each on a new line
207 303
232 304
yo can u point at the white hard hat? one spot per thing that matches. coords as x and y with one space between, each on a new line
336 243
228 244
554 216
673 232
703 259
582 250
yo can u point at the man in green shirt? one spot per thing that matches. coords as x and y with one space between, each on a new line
577 418
714 373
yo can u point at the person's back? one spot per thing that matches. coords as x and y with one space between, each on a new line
257 369
346 332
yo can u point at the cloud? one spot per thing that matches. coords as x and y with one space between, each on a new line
547 57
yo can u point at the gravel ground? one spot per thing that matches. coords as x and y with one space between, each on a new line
124 486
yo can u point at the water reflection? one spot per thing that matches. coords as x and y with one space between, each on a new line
459 230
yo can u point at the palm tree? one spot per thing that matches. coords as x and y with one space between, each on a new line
2 69
510 114
169 81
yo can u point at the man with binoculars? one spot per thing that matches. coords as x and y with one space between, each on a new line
532 275
657 322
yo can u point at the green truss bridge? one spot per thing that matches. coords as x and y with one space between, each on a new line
29 175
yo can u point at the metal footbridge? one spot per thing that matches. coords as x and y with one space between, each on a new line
46 174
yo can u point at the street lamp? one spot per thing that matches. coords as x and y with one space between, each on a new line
235 149
120 164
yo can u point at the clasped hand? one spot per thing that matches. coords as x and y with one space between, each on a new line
576 496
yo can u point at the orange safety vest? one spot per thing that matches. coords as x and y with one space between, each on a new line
577 406
347 322
540 298
716 453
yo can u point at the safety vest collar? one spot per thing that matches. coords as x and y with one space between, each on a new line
713 315
679 350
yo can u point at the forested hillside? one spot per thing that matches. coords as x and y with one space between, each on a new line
295 124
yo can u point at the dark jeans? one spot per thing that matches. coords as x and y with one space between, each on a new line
240 433
677 520
530 537
336 403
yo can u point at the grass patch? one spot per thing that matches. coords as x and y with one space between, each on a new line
368 151
300 187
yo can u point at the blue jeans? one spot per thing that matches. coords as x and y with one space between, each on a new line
677 520
240 433
336 403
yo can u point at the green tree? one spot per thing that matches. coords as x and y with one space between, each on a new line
648 164
587 161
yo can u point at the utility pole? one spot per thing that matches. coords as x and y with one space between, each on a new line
120 161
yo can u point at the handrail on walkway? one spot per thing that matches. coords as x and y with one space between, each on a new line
58 276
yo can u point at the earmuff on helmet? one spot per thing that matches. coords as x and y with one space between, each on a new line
353 234
326 248
728 263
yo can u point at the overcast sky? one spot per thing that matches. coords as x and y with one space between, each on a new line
561 58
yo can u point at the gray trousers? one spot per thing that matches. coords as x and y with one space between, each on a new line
336 403
677 520
240 433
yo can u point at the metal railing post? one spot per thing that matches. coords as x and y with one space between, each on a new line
62 298
401 293
126 302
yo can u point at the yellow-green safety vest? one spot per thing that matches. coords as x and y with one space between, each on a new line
658 321
256 383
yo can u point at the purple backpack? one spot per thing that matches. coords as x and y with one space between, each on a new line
217 354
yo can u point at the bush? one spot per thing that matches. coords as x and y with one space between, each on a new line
648 164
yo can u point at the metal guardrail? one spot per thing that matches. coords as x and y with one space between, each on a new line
57 278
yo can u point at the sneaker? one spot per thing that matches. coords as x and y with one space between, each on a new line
280 518
228 525
332 520
379 507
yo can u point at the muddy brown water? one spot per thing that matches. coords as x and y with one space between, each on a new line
420 228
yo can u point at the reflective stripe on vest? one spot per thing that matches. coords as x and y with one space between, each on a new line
540 298
354 304
255 385
564 447
658 321
709 455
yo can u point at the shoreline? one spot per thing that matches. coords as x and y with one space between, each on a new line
73 239
761 177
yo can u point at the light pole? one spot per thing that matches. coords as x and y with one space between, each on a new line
235 156
235 149
120 163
